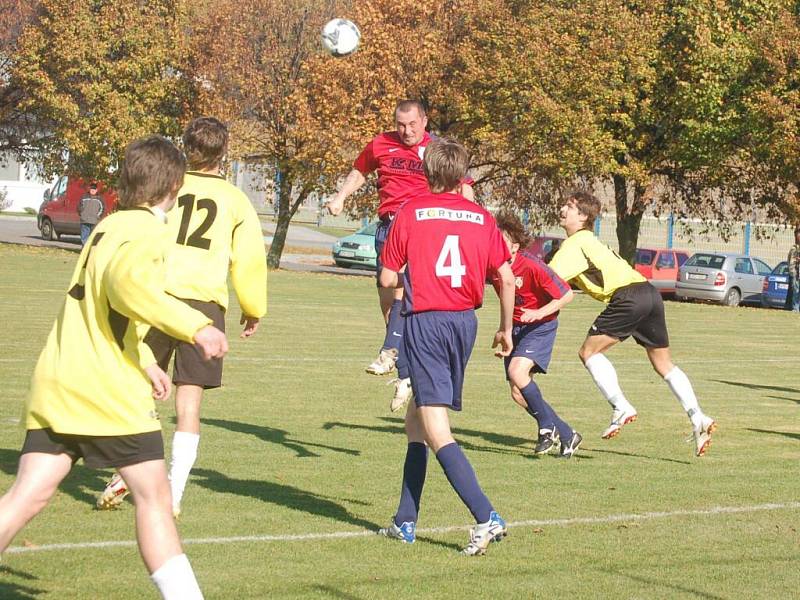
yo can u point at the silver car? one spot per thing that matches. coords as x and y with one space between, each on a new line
722 277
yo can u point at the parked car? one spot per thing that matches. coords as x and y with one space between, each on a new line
722 277
58 214
775 290
358 249
660 266
544 247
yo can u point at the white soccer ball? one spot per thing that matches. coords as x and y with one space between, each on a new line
340 37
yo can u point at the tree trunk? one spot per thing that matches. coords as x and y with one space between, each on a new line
628 219
284 218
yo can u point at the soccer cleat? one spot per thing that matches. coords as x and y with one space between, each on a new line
546 442
114 494
406 533
402 393
569 446
702 435
484 534
384 364
618 419
176 512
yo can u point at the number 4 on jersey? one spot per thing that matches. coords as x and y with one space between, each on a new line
451 253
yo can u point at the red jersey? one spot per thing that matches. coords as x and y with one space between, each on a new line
399 167
450 245
536 285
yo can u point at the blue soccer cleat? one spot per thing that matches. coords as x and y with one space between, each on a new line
406 532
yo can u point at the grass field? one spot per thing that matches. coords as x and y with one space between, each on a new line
300 458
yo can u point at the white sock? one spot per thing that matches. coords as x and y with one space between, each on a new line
176 581
184 453
605 377
680 385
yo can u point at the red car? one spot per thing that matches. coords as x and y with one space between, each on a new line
58 213
660 266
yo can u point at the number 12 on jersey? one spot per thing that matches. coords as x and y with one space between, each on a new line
451 253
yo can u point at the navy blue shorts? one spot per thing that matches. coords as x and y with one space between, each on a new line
534 341
437 346
381 235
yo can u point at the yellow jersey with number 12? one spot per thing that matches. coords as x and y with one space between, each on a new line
89 379
593 266
216 230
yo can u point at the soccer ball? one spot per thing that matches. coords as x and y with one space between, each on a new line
340 37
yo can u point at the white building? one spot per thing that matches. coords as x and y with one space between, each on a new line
21 185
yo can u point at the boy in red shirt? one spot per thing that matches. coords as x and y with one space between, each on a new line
447 246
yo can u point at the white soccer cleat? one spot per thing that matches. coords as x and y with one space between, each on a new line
384 364
618 419
114 494
484 534
176 512
702 435
402 393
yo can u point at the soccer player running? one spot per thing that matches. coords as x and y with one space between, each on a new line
540 294
635 308
397 158
215 231
93 387
447 245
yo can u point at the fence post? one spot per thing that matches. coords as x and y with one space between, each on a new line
597 226
670 230
526 217
746 249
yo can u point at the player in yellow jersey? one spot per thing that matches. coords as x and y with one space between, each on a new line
216 232
93 387
635 308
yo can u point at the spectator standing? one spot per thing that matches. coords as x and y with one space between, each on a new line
90 209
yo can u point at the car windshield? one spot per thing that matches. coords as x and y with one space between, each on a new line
712 261
644 257
781 269
369 229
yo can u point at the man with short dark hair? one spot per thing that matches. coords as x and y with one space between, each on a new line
635 308
397 157
90 209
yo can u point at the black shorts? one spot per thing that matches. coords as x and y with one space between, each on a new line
635 310
190 366
97 452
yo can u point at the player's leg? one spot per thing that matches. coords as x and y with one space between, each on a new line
156 533
592 354
390 302
533 402
185 440
403 525
38 477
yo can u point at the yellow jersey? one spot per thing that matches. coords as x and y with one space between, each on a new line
90 378
216 229
592 266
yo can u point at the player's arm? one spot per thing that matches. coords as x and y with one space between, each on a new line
558 290
569 261
134 284
505 291
353 182
556 304
249 268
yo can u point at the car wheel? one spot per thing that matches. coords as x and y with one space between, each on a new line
48 232
341 264
732 298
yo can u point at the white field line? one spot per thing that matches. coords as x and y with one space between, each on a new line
338 535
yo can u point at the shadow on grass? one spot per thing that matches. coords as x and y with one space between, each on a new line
795 400
332 592
396 427
758 386
634 455
278 436
665 585
81 483
282 495
15 591
789 434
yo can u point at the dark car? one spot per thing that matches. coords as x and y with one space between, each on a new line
775 292
660 266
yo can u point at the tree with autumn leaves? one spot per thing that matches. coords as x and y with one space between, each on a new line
683 105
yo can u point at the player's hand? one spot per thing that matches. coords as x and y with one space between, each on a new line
250 326
503 343
162 386
212 342
530 315
335 206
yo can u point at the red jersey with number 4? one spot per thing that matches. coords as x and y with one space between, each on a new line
449 245
535 284
399 167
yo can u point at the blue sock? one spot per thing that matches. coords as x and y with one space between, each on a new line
461 476
394 328
413 480
544 414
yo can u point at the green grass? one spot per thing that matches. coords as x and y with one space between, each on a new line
300 441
